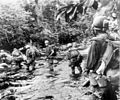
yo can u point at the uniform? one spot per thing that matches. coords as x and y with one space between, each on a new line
17 57
50 53
99 25
113 29
31 56
75 60
113 34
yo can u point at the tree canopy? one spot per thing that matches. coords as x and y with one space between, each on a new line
36 20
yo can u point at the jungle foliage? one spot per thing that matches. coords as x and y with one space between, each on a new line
37 21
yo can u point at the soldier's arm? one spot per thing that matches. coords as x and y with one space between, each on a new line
52 51
99 37
23 48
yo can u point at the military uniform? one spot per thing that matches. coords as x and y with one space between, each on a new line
75 60
99 25
31 53
50 53
113 35
2 56
113 28
17 57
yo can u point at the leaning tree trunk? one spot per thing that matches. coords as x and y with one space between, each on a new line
38 12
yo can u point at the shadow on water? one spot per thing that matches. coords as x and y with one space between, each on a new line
46 98
75 77
4 85
53 74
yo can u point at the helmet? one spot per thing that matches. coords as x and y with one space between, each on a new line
27 46
114 15
46 41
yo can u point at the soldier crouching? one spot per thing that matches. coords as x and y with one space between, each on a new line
75 60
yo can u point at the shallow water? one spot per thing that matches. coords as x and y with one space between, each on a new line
43 85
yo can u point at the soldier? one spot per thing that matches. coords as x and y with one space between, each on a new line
17 57
30 53
113 24
2 56
75 60
113 27
113 35
50 53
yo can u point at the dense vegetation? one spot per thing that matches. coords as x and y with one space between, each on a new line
37 21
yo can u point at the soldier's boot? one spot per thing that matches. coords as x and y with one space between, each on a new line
28 67
51 68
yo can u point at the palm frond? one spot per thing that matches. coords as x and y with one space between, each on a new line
73 12
70 12
95 5
61 11
69 8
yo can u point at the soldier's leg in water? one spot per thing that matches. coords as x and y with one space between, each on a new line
51 64
20 66
33 64
16 64
73 69
28 63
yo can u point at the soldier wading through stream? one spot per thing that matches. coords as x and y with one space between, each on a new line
17 58
31 54
50 53
75 60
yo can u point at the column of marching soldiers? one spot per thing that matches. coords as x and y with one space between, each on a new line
106 35
28 54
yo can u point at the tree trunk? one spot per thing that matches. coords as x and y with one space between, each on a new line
38 11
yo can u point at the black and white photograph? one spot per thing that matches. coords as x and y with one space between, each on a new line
59 49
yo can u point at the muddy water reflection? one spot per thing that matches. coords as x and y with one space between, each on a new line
42 85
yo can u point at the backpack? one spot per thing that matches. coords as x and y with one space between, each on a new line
30 53
72 54
75 54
